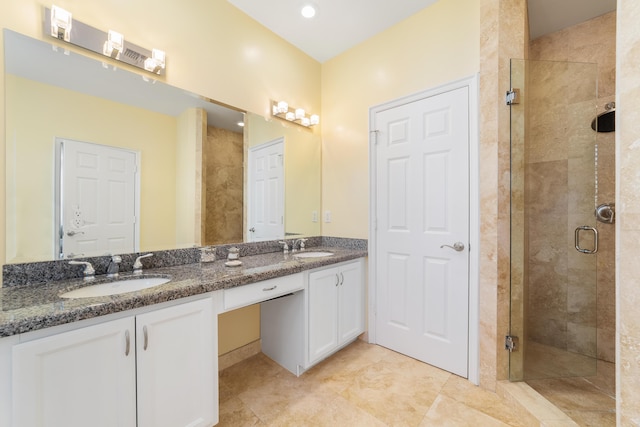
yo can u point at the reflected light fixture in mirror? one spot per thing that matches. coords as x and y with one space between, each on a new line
298 116
61 25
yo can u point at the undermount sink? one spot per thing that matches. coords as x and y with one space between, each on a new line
117 287
317 254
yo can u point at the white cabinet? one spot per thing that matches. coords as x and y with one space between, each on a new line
177 366
335 301
77 378
165 360
300 329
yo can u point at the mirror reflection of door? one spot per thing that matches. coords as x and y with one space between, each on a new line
266 191
96 200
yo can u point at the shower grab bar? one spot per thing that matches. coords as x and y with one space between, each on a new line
595 239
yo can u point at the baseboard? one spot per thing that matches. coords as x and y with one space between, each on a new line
238 355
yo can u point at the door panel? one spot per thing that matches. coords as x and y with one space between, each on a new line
422 204
266 192
97 200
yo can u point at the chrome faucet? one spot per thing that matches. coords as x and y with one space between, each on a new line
137 266
299 243
89 272
113 267
285 246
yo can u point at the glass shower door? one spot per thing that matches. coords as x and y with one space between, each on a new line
553 227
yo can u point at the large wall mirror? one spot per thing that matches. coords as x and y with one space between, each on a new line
192 179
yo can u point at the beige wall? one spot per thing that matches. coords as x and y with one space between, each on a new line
188 181
628 219
433 47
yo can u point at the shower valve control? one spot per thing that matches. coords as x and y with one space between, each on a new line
511 343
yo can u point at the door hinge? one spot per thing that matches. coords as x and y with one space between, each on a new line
513 96
511 343
375 136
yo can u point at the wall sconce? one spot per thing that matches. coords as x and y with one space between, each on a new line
58 23
298 116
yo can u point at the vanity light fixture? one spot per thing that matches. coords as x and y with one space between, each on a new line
298 116
58 23
61 21
114 45
156 63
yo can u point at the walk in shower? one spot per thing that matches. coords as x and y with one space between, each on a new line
562 253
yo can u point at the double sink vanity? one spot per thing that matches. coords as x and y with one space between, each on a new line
149 357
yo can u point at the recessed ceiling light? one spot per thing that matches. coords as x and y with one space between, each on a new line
308 11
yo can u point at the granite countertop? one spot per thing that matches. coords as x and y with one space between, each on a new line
31 307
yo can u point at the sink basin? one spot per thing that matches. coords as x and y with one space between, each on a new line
312 254
117 287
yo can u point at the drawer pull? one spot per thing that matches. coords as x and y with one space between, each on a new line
127 340
270 289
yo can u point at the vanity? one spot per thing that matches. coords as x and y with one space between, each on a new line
149 357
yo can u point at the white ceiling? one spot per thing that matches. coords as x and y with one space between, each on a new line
337 26
342 24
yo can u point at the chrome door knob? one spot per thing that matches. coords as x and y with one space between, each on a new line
457 246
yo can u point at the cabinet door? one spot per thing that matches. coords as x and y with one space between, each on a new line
79 378
323 313
350 302
177 366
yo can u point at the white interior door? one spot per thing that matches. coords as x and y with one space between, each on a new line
422 235
97 199
266 192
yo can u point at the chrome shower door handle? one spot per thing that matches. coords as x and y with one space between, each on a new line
457 246
577 239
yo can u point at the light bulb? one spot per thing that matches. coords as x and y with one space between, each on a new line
283 107
308 11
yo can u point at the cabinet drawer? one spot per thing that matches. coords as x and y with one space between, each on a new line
261 291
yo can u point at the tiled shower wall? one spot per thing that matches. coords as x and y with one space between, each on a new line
555 158
223 172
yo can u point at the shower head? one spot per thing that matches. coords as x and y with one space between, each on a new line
605 122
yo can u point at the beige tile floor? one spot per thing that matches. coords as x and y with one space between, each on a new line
362 385
587 396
